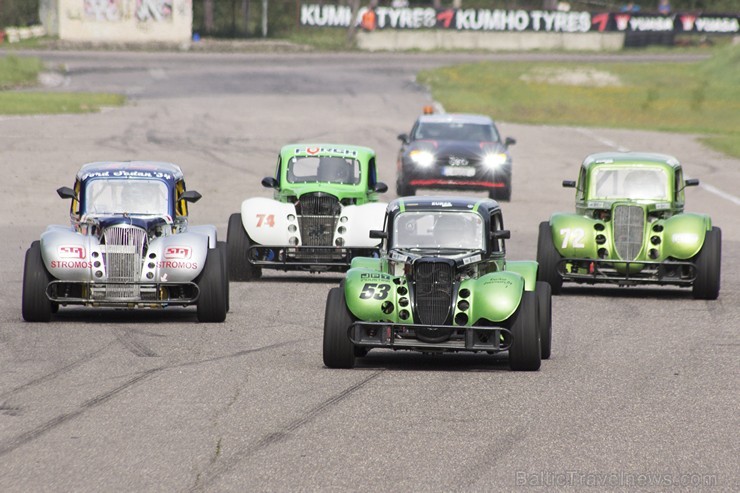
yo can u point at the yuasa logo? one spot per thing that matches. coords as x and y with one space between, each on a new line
178 253
70 251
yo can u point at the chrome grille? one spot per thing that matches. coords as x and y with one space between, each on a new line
629 223
317 219
433 291
123 251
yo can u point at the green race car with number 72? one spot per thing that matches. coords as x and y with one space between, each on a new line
629 228
441 284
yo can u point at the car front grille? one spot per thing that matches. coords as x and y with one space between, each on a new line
123 250
433 291
629 223
317 218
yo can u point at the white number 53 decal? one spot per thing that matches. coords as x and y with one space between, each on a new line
573 236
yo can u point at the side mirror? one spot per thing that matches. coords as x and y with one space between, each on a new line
380 187
269 182
569 184
378 234
403 138
509 141
691 182
66 193
503 234
190 196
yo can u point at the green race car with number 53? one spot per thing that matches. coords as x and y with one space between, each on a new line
442 284
629 228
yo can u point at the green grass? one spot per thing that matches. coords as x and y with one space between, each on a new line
33 103
17 72
325 39
700 97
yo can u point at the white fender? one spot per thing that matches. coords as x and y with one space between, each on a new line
266 221
68 255
360 220
176 258
208 230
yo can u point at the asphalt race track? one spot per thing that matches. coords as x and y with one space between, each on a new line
641 391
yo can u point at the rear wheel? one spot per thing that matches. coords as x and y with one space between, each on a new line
339 352
525 350
544 317
221 245
708 265
548 258
35 305
212 303
238 243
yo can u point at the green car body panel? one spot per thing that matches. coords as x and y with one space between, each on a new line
629 226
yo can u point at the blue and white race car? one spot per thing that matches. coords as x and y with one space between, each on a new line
129 245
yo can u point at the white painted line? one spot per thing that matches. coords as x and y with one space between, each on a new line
719 193
598 138
157 73
438 108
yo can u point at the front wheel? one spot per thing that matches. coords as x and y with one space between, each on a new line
708 265
502 194
35 305
525 351
544 317
403 189
212 301
548 258
221 245
339 352
238 243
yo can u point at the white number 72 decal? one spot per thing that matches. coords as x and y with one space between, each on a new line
574 236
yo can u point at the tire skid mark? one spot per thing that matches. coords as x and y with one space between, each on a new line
31 435
237 354
126 337
280 435
50 376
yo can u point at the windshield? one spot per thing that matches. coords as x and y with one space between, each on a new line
324 169
145 197
629 183
438 229
455 131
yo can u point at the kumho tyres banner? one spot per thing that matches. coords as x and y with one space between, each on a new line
517 20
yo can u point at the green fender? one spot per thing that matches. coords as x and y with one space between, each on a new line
493 297
372 296
525 268
683 235
574 236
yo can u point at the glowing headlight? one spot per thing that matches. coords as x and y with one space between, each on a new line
494 160
422 158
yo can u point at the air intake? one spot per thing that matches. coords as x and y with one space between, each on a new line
629 222
123 250
433 290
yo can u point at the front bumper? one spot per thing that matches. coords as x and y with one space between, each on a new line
123 294
401 336
324 258
466 177
593 271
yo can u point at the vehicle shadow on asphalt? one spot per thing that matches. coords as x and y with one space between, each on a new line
415 361
121 315
658 293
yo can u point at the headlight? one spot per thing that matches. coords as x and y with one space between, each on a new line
422 158
494 160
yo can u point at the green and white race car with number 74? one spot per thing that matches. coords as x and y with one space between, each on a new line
629 228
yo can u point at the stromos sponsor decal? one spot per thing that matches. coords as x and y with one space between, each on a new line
71 264
177 264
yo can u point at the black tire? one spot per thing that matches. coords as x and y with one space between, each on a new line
708 266
403 189
238 243
502 194
544 317
548 258
221 245
525 350
212 298
35 305
361 352
339 352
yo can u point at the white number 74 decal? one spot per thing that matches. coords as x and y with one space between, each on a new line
574 236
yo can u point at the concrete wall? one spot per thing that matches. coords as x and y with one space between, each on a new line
120 21
398 40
